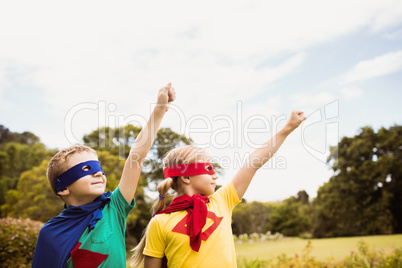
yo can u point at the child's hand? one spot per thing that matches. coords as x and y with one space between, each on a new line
165 96
295 119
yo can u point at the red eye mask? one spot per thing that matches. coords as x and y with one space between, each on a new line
188 170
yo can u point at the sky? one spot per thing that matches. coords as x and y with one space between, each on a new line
238 68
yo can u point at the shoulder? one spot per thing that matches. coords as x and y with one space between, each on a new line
117 197
226 195
226 190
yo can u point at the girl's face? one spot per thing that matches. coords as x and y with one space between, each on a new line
203 184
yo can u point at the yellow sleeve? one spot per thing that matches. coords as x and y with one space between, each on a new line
227 195
155 242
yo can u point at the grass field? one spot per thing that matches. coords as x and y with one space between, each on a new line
336 248
323 249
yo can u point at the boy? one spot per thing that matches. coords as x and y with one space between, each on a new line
90 231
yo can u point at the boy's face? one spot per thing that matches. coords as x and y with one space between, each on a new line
87 188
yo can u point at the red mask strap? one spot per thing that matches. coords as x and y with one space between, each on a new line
189 169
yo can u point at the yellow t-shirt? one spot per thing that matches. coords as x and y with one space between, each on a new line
167 235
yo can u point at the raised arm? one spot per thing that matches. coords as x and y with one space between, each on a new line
261 155
143 142
151 262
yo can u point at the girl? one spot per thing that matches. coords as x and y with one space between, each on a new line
195 229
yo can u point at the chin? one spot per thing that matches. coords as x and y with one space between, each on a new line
100 192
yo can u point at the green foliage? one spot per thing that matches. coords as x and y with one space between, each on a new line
113 166
17 241
251 217
363 197
19 152
252 263
33 197
302 197
363 258
283 260
370 258
21 157
116 141
290 218
7 136
166 140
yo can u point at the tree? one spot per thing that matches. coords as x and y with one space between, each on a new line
18 153
292 217
7 136
364 196
34 199
251 217
118 142
303 197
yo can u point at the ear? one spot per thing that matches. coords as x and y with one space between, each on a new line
185 179
64 192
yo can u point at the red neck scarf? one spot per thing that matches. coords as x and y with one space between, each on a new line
196 207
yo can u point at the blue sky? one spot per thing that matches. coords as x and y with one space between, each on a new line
239 68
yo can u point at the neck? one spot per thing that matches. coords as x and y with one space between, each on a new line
78 202
186 191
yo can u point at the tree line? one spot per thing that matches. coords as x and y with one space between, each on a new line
363 196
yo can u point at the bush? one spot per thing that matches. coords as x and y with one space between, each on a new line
255 237
363 258
17 241
370 258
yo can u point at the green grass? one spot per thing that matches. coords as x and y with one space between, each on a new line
335 249
323 249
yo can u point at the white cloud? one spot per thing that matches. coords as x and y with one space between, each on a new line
387 14
215 53
393 35
120 52
381 65
313 101
351 93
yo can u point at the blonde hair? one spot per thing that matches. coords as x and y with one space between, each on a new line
176 156
58 164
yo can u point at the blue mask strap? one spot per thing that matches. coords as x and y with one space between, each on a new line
76 173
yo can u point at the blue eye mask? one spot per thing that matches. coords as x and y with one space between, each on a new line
76 173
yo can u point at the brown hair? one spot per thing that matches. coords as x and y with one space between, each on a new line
176 156
59 162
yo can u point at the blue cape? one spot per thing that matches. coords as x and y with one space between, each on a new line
59 235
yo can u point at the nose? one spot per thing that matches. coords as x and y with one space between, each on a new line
101 175
214 176
97 174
